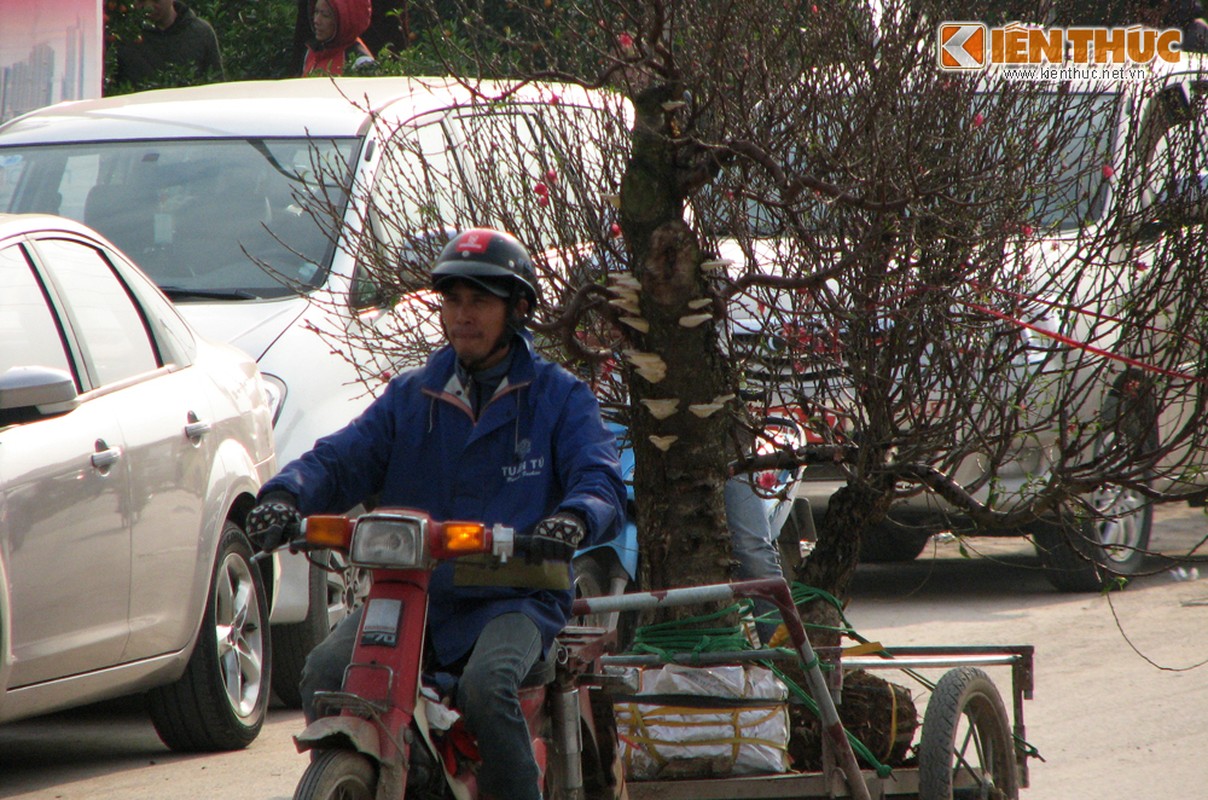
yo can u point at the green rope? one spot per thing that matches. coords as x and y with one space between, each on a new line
666 639
803 594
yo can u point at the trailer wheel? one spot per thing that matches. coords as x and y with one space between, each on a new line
966 749
338 775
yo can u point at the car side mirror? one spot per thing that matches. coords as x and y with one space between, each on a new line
31 393
1182 202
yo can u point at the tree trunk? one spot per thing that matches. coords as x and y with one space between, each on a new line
681 514
832 564
681 456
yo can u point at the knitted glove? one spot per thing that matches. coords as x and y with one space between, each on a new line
274 521
556 538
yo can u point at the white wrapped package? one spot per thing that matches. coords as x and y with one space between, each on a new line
704 722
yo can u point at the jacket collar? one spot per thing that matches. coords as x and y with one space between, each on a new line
441 370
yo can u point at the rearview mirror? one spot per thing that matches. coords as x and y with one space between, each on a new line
29 393
1182 202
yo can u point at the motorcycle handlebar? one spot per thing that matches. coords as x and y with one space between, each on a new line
520 544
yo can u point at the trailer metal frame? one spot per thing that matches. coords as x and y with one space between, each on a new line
841 775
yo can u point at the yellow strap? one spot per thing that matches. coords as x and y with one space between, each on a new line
893 722
657 714
629 715
737 741
866 649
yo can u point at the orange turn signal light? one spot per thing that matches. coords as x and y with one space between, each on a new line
462 538
333 531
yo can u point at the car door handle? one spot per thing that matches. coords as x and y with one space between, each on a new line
105 456
196 428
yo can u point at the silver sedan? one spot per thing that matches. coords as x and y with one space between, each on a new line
130 450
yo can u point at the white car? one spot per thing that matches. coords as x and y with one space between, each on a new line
131 449
223 194
1134 164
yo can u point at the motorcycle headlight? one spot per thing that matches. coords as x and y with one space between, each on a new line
391 541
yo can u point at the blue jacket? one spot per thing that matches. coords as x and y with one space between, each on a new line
538 447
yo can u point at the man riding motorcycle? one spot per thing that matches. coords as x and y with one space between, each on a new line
499 435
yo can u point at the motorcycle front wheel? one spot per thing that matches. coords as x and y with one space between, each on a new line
338 775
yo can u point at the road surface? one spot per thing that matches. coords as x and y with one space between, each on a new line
1119 709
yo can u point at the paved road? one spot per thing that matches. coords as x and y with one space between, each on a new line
110 751
1111 725
1121 692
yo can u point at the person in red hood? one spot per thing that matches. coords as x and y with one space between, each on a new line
336 46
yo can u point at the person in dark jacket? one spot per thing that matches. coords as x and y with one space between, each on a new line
177 48
489 431
336 48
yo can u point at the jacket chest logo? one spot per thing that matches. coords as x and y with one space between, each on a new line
529 468
524 467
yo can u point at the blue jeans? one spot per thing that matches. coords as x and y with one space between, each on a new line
752 542
487 696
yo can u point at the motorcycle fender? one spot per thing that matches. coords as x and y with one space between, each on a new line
342 732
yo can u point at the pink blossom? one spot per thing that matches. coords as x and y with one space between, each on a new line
541 189
1108 170
543 200
625 41
978 119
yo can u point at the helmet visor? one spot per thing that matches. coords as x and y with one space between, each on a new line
499 287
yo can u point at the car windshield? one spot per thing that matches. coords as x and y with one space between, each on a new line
1076 134
206 219
1065 189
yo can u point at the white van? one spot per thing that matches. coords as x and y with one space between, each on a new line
221 192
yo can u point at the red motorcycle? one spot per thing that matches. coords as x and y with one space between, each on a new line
394 736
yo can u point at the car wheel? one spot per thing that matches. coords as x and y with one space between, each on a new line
221 700
1085 555
888 543
1087 552
334 593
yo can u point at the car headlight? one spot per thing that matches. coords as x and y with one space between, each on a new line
392 541
274 387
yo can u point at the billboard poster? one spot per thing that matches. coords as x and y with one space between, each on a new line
50 50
